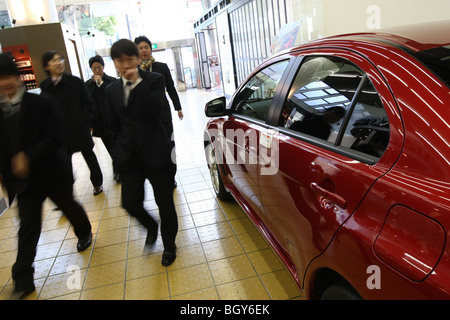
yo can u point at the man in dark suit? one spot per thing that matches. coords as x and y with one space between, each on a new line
96 86
77 108
141 148
148 63
34 165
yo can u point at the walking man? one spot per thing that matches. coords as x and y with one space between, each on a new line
141 148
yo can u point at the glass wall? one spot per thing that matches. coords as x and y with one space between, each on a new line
254 28
101 23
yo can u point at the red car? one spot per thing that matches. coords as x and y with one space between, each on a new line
339 152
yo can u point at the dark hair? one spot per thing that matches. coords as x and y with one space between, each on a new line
139 39
8 65
48 56
124 46
96 59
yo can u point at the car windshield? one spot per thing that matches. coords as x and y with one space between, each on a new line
438 61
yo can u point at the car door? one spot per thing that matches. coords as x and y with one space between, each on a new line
249 110
333 141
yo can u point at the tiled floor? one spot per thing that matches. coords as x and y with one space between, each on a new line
220 253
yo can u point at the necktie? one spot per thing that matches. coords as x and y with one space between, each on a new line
127 91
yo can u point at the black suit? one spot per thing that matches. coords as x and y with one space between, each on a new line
100 115
77 109
38 124
141 150
163 69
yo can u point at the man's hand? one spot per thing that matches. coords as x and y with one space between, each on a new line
20 166
131 74
97 78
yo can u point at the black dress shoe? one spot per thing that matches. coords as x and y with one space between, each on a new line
21 292
169 255
98 190
84 243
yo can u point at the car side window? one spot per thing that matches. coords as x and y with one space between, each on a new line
256 96
322 105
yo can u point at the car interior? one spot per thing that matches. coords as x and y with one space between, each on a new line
320 99
255 99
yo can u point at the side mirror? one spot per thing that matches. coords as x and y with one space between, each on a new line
216 107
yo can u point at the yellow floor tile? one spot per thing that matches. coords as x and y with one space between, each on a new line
153 287
231 269
62 263
62 284
109 254
190 279
105 274
42 268
242 225
202 206
187 238
214 231
113 224
144 266
9 245
53 235
5 275
222 248
47 250
265 261
188 256
280 285
111 292
253 241
204 294
7 259
247 289
58 223
112 237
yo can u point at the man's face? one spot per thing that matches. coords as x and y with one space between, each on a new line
9 85
97 69
56 66
127 66
145 51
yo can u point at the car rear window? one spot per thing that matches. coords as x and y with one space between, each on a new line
438 61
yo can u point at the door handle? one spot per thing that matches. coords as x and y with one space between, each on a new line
331 196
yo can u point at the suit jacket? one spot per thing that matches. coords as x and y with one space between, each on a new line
163 69
137 129
42 139
100 116
77 107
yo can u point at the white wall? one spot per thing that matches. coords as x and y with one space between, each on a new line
321 18
29 12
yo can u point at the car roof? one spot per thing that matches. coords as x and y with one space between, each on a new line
417 37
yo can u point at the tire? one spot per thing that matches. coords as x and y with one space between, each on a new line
340 291
214 172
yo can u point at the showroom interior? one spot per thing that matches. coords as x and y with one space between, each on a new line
210 48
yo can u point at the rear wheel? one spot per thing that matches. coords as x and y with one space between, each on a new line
340 291
214 172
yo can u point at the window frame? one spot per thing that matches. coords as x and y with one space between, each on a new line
334 147
279 92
